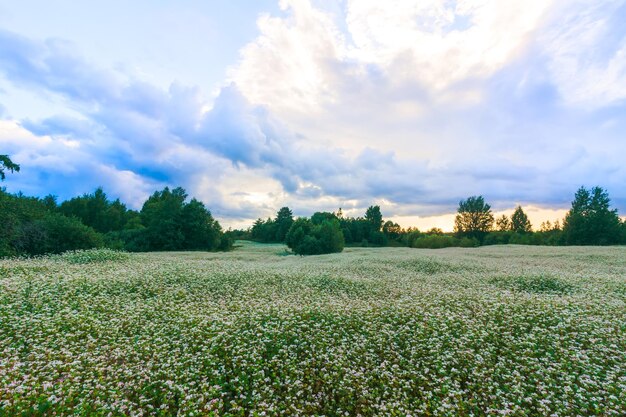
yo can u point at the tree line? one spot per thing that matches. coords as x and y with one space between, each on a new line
590 221
170 221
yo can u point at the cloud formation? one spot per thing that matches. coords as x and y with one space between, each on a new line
414 105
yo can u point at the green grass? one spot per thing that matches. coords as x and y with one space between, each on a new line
521 331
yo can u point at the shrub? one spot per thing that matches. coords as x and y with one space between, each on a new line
305 237
435 242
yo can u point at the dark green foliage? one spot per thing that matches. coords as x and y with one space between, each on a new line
520 222
392 230
97 211
410 236
590 221
371 230
443 241
374 218
7 165
272 230
540 284
263 231
315 236
474 218
33 226
500 237
172 224
284 220
503 223
199 229
68 233
55 233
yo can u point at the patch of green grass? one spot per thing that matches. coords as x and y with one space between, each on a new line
94 256
538 284
427 266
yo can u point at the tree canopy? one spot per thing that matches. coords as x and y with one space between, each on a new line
591 221
520 222
474 218
318 235
7 165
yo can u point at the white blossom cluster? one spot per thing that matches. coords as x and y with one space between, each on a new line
514 331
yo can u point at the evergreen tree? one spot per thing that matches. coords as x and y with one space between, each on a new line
520 222
590 221
284 220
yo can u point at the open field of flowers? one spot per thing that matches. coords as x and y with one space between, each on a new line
518 331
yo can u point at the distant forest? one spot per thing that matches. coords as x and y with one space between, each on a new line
170 221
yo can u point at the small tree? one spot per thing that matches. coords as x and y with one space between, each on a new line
474 218
503 223
8 165
520 222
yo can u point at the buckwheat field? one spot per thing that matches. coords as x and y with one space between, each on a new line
517 331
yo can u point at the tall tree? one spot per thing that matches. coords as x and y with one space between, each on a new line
474 218
161 216
375 218
200 231
7 165
591 221
520 222
284 220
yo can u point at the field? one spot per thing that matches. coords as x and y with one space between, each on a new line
509 330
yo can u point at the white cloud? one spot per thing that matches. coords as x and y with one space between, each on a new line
414 104
586 48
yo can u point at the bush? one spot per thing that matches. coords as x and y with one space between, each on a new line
55 233
306 237
468 242
435 242
498 238
68 233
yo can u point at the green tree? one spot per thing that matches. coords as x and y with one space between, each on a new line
172 224
7 165
283 221
503 223
474 218
200 230
160 215
392 230
95 210
318 235
591 221
374 218
520 222
264 231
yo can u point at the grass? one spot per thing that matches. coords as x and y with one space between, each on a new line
520 331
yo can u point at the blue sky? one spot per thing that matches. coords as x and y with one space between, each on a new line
251 106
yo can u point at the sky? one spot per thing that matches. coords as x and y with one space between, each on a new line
318 104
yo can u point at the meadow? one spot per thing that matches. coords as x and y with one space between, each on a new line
500 330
